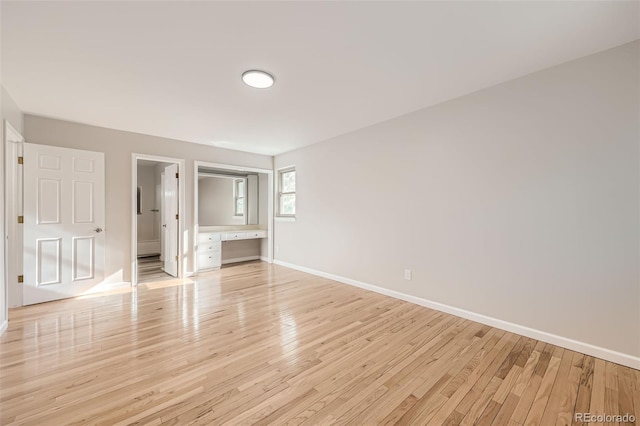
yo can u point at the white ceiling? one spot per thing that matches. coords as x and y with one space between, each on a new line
173 69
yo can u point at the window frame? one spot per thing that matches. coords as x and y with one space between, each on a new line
236 197
280 192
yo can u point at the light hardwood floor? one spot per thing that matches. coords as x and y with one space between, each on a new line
258 343
150 270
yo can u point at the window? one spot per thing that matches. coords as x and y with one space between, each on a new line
287 192
238 197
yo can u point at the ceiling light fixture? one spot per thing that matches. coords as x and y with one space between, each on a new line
258 79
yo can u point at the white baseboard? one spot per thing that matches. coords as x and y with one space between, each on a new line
240 259
265 259
3 326
574 345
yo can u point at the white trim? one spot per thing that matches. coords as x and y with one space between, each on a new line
232 167
182 259
240 259
236 197
290 166
270 223
265 259
285 219
219 175
574 345
13 145
194 204
270 210
279 192
4 326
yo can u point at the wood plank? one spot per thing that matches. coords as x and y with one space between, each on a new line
599 386
568 398
625 390
583 400
536 412
530 391
560 386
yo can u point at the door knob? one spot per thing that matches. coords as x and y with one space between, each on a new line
98 230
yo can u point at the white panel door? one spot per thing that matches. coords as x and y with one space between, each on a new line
170 215
64 215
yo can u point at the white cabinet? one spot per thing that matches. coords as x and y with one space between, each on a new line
256 234
210 245
209 250
205 237
244 235
230 236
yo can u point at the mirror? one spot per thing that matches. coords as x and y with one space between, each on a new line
227 199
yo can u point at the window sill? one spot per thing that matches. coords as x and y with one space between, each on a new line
285 219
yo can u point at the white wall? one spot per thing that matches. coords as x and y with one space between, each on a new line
519 202
263 199
252 200
240 249
11 113
118 147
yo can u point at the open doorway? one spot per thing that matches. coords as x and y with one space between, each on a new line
157 205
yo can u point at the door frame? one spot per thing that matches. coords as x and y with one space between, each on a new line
13 148
232 167
134 214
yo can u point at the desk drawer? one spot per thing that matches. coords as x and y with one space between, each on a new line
230 236
245 235
256 234
209 260
209 247
208 237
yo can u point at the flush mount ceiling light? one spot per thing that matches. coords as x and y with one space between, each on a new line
258 79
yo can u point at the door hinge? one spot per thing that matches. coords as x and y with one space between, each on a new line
20 219
176 258
20 160
177 217
20 278
177 175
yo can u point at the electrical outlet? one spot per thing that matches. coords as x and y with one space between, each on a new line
407 274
